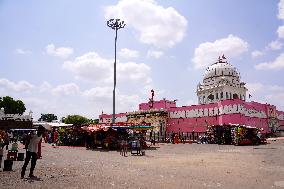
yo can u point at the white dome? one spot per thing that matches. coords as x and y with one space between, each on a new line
221 81
221 72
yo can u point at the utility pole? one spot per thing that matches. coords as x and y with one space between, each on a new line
115 24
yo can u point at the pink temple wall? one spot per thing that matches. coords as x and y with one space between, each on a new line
165 104
104 116
199 124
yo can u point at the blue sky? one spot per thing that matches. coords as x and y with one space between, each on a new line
57 56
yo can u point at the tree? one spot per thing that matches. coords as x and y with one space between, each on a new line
20 107
94 121
47 117
76 120
12 106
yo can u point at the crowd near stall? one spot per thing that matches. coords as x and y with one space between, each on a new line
123 136
115 137
232 134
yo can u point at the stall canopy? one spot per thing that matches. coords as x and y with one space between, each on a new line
141 127
97 127
49 125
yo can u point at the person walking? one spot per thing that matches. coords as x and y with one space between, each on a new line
32 152
1 151
6 140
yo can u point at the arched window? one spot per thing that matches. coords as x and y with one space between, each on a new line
235 96
211 97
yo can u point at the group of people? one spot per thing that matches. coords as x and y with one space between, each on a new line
31 142
176 138
109 139
120 140
5 139
65 137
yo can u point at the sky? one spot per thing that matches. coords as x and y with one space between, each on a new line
57 56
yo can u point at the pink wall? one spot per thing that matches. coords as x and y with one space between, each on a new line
165 104
103 116
199 124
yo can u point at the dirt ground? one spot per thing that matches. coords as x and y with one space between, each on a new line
172 166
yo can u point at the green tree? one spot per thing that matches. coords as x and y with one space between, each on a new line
47 117
76 120
20 107
94 121
12 106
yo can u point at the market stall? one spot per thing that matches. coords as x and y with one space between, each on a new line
110 137
232 134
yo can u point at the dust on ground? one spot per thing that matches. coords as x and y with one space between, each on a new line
173 166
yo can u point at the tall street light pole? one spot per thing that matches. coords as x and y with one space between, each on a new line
115 24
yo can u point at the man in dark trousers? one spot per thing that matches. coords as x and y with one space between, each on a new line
32 151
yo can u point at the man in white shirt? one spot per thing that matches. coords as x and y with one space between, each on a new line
32 152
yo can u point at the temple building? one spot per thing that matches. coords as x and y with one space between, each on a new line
221 101
221 82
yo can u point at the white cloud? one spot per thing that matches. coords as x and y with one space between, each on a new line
277 64
254 87
22 51
131 71
66 99
99 92
156 25
62 52
155 54
190 102
127 53
37 105
275 45
60 90
93 67
276 99
66 89
45 86
265 93
276 88
206 53
280 32
35 101
256 54
102 97
128 103
281 9
21 86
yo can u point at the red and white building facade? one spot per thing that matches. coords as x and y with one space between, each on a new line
221 101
